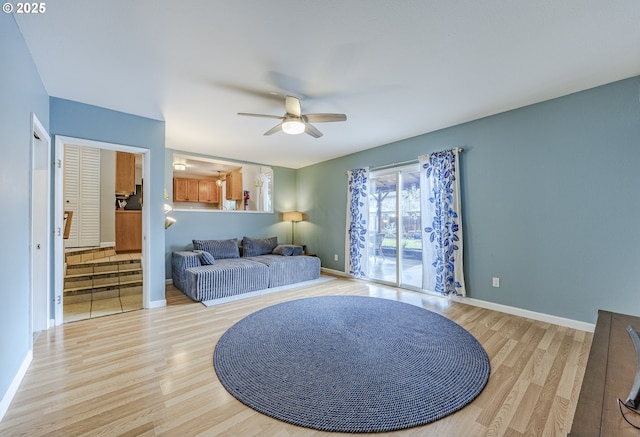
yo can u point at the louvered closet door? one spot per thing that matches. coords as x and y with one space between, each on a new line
70 190
82 194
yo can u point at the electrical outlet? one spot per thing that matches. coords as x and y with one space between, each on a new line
495 282
335 257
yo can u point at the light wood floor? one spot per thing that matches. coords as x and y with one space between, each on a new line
150 372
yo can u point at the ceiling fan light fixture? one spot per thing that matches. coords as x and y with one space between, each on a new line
293 127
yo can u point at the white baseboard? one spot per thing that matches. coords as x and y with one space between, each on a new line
13 388
158 303
556 320
335 272
107 244
561 321
168 281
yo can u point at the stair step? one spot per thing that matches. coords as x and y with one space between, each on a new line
96 280
84 255
100 293
126 287
103 267
101 274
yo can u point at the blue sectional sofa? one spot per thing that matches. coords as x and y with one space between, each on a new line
215 269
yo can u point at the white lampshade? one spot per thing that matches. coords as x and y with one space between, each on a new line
292 127
167 208
168 221
293 216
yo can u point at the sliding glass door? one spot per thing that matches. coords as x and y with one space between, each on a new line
395 244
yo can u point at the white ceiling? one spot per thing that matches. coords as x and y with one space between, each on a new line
397 68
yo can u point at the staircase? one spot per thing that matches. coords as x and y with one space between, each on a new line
95 274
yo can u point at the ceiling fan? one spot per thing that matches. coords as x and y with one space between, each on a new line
295 122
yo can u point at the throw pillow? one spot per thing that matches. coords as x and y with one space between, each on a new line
287 250
258 246
206 259
220 249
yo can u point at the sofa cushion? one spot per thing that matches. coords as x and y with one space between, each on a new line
287 250
206 259
220 249
258 246
285 270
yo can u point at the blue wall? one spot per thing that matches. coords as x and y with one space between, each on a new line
21 93
78 120
550 202
222 225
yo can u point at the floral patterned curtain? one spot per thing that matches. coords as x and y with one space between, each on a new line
357 214
441 223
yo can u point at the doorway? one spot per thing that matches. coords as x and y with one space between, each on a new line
40 225
95 278
395 244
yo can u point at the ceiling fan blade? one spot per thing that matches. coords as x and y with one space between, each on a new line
273 130
292 105
311 130
324 118
277 117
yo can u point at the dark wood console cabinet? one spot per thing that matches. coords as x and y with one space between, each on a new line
609 375
128 231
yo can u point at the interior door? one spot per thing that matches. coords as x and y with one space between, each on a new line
40 229
81 183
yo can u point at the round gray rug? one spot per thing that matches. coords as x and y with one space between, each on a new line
351 364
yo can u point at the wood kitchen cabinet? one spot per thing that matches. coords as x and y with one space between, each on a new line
234 186
185 190
208 191
125 173
128 231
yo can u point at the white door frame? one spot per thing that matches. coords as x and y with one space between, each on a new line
40 239
60 141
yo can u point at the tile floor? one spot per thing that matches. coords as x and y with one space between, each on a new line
103 303
102 307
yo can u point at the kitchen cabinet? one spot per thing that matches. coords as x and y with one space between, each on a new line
185 190
208 191
234 186
125 173
128 231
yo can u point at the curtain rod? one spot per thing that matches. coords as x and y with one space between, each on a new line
411 161
394 164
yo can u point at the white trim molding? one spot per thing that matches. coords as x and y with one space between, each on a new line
60 141
157 303
542 317
15 384
556 320
336 273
